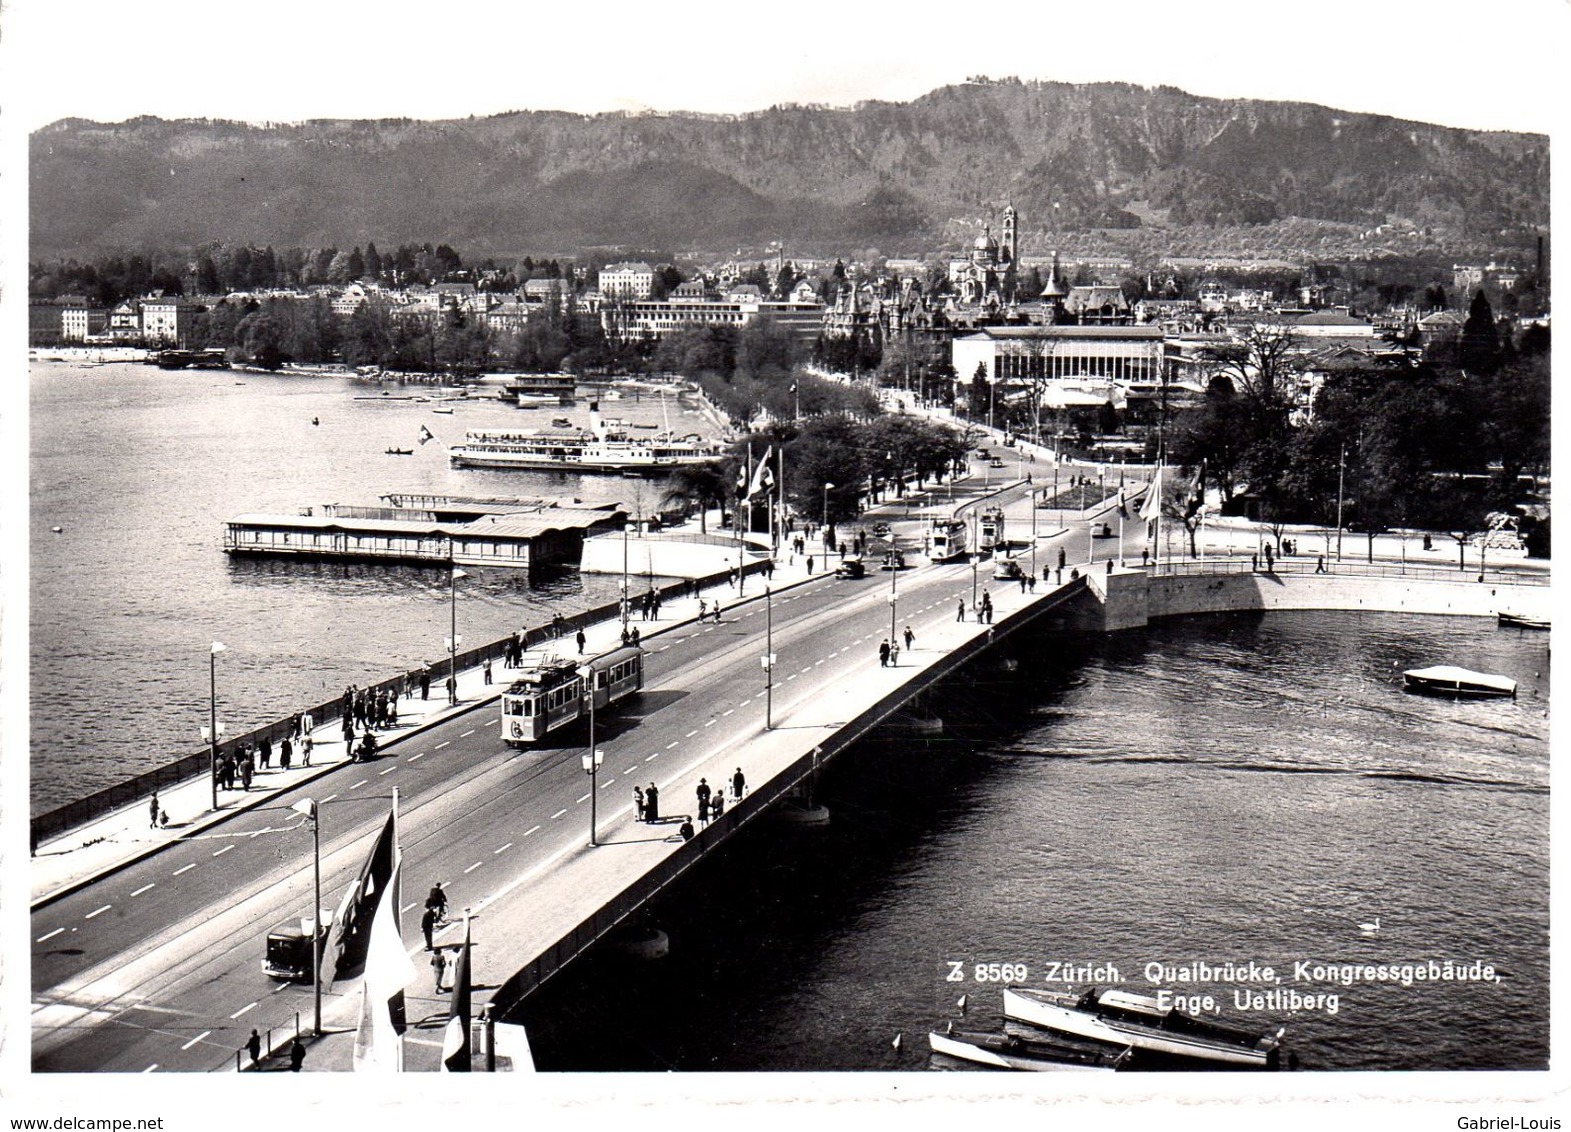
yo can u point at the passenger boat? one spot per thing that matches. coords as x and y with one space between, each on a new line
602 448
1448 680
1013 1051
1138 1021
1522 621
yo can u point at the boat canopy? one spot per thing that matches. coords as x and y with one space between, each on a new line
1449 674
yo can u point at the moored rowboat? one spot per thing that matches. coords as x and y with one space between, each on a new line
1448 680
1011 1051
1522 621
1140 1022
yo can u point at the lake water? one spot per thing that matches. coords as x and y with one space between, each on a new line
1227 788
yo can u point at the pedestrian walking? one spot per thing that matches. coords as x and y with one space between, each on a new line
580 639
425 685
1254 560
703 793
730 576
428 925
910 638
305 750
152 811
638 801
717 804
247 769
1060 558
286 753
894 655
253 1046
809 563
738 784
651 803
486 670
294 726
264 752
703 811
307 722
717 611
635 639
296 1056
452 690
439 968
960 610
883 654
703 609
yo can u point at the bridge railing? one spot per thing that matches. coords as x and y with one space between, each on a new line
1299 565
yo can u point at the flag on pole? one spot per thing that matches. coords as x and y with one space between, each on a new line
455 1040
742 492
350 937
1152 507
763 478
426 434
379 1038
218 647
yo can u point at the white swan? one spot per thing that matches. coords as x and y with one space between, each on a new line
1370 928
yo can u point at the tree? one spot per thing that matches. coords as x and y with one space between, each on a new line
1478 346
697 485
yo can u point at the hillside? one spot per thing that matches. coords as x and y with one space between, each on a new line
879 174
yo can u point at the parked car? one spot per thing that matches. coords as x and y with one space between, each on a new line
995 462
983 453
851 568
1007 570
894 560
881 530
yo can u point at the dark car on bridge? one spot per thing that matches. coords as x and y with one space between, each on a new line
851 568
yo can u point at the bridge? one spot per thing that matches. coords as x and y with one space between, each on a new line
155 963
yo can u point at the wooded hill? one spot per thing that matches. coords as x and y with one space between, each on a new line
888 175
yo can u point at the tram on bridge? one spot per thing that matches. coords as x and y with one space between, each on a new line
946 540
990 529
557 691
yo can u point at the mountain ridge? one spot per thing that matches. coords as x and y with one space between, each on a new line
1069 156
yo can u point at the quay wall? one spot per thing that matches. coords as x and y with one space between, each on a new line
1128 598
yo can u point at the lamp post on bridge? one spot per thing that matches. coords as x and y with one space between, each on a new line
827 486
454 573
312 810
627 529
594 756
894 560
975 558
769 658
212 731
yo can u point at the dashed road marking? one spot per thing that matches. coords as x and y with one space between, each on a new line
554 816
691 733
608 783
389 770
711 723
468 733
581 800
501 849
729 711
472 868
359 784
154 1066
241 1011
662 648
652 757
421 755
406 907
50 935
196 1039
329 798
669 745
144 888
184 868
221 852
444 743
535 828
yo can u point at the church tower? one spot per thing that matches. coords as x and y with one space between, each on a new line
1009 246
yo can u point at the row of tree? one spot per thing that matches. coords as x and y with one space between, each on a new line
833 464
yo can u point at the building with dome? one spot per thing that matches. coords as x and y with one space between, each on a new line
986 276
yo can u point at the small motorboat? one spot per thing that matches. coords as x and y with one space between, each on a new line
1522 621
1140 1022
1448 680
447 409
400 451
1014 1051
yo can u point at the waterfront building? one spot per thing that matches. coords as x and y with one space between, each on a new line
44 323
125 321
167 321
655 318
79 323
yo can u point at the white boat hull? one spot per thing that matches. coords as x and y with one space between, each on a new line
1082 1024
975 1054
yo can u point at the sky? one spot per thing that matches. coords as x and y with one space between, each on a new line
1481 65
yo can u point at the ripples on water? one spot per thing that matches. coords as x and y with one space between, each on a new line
141 467
1213 788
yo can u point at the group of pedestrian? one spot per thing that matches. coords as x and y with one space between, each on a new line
647 802
650 606
157 816
366 708
630 635
236 766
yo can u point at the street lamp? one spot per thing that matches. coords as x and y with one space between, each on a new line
894 560
454 573
310 809
975 558
627 529
594 756
827 486
769 658
212 718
